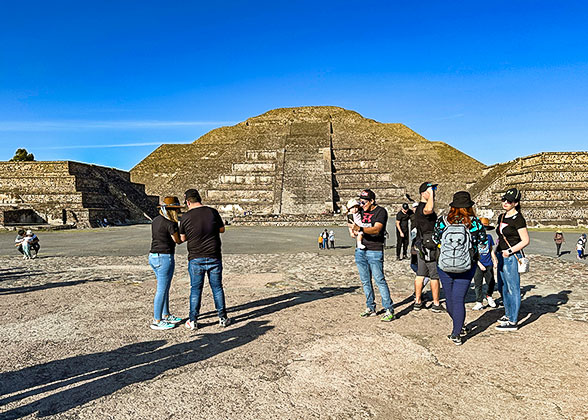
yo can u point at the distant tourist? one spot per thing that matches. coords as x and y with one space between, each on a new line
581 246
325 239
402 233
370 259
320 240
201 227
164 237
461 237
559 239
332 239
512 238
424 219
27 243
485 270
354 217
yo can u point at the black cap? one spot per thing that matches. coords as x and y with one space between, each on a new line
425 185
513 195
405 206
367 195
462 200
193 195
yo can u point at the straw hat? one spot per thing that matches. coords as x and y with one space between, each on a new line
171 202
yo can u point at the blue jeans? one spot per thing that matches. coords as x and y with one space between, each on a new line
163 266
371 264
455 286
509 285
197 268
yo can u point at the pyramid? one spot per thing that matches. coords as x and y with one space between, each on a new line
305 161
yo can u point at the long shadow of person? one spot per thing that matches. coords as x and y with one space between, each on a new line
272 304
113 370
107 372
488 318
534 306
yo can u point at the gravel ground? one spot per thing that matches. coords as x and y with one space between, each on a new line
76 342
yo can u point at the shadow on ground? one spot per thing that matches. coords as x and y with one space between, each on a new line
104 373
532 308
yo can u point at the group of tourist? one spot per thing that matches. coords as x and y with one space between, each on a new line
451 250
200 227
326 240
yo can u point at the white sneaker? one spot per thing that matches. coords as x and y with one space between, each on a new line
491 302
478 306
191 325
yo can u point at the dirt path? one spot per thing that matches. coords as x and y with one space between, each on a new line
76 344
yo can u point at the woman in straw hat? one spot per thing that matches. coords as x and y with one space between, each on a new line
164 237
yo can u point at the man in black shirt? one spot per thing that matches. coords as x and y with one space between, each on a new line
402 219
370 260
201 227
425 219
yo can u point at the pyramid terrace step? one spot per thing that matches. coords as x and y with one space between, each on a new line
240 195
246 179
261 155
254 167
370 177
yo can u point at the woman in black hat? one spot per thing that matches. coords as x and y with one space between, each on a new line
164 237
512 238
460 235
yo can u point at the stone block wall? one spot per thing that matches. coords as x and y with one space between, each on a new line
68 193
554 187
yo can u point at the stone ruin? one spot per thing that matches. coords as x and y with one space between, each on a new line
554 187
70 194
293 166
300 164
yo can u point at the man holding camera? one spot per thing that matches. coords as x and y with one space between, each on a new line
425 218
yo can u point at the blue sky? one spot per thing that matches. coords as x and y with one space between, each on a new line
105 82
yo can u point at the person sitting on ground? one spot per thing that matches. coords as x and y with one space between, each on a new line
581 246
27 243
354 216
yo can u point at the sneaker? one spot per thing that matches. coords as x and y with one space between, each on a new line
478 306
172 319
417 306
502 319
388 316
464 331
224 321
398 258
491 302
367 312
191 325
437 308
161 325
455 339
507 326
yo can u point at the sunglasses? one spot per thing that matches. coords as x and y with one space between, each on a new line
504 200
362 202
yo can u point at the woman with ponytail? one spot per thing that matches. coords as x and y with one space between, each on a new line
164 237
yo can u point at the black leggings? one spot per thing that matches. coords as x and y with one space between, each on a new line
401 243
479 276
